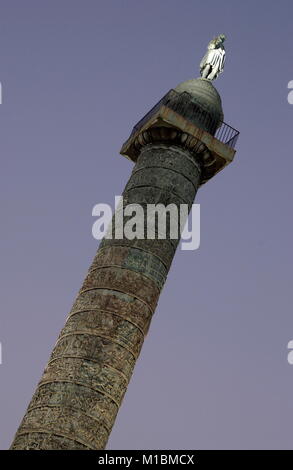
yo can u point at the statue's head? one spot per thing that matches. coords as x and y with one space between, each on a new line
222 37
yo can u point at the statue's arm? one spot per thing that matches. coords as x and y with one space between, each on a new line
202 62
212 44
205 60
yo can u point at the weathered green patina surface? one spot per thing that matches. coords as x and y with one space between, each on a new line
83 385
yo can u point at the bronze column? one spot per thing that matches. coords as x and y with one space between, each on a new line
80 392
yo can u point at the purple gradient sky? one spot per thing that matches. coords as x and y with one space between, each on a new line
76 77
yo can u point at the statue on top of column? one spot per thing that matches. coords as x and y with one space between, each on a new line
212 64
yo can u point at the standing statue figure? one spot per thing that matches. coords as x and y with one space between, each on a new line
212 64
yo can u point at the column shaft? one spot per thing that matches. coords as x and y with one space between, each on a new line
80 392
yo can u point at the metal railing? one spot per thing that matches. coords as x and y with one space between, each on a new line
227 135
185 104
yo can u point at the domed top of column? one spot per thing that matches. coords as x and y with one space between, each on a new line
205 94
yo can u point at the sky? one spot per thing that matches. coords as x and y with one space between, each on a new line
76 76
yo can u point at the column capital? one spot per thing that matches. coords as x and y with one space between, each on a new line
183 118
